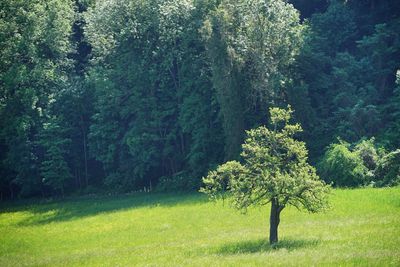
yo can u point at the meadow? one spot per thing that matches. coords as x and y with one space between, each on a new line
361 228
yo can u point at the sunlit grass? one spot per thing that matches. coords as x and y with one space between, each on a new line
362 228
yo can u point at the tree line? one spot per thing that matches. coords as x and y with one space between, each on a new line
122 95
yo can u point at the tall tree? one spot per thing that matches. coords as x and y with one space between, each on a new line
54 169
151 72
251 45
35 41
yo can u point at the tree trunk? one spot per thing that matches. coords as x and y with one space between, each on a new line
274 221
85 150
11 190
86 160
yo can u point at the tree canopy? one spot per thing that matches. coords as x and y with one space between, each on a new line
274 170
155 93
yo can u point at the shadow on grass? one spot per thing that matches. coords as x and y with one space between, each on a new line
76 208
262 246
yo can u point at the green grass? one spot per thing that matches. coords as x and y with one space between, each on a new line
362 228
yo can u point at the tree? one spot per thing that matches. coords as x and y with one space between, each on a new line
35 44
157 92
155 111
74 106
274 170
354 48
392 134
54 169
251 46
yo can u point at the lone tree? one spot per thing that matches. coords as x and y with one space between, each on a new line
274 169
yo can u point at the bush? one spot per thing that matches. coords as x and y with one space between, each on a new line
179 182
368 153
343 167
387 172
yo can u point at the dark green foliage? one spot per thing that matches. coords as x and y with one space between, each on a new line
34 41
54 170
179 182
158 77
348 71
154 93
392 135
75 105
309 7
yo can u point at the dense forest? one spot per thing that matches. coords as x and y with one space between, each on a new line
129 95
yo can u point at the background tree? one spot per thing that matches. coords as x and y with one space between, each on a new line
274 169
156 93
251 47
156 72
35 45
54 169
392 135
354 48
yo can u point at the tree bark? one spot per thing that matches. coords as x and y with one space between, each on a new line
274 221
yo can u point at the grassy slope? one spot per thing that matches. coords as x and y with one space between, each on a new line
363 227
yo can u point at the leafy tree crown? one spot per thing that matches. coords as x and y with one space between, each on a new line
274 167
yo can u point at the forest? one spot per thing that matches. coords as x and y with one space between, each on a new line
116 96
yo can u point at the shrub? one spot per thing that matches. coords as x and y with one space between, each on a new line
179 182
387 172
343 167
368 153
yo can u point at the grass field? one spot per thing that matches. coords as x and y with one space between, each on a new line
362 228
